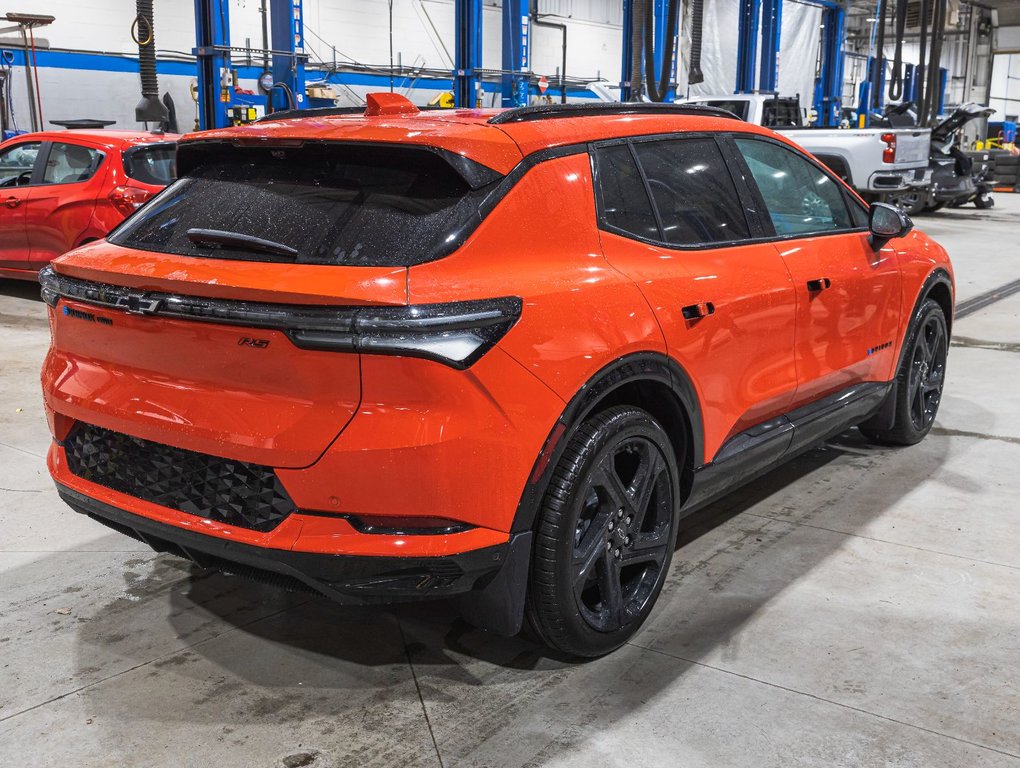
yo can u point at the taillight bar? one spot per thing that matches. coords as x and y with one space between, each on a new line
456 334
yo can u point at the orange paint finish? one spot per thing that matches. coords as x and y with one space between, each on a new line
352 433
739 357
456 131
579 312
429 440
298 533
193 386
219 278
858 312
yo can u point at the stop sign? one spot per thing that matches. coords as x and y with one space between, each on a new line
543 84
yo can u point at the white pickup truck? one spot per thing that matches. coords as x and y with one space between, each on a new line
880 163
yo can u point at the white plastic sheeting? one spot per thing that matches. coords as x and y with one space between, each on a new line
798 51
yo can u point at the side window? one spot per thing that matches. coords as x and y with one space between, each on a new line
693 191
17 162
70 163
625 204
801 199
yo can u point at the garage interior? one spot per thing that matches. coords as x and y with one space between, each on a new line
858 606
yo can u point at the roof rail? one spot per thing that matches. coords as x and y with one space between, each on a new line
555 111
294 114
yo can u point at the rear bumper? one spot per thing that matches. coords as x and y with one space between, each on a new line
348 579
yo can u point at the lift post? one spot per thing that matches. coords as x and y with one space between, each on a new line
661 15
467 53
829 84
216 93
286 19
771 34
516 53
747 44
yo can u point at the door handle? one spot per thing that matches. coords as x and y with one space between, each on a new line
12 202
698 311
819 285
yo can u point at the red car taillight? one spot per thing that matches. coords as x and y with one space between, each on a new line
889 153
127 199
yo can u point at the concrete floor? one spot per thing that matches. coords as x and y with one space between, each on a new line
859 607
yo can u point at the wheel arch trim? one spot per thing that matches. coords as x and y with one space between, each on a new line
634 368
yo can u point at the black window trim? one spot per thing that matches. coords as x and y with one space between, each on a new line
37 167
44 155
848 199
755 210
127 155
751 217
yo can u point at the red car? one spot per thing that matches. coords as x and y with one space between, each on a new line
61 189
495 355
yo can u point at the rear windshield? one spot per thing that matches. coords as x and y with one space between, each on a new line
340 204
155 165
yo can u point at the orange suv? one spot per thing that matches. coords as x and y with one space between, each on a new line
497 355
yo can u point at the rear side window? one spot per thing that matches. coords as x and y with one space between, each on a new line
693 191
625 204
340 204
801 198
70 163
156 164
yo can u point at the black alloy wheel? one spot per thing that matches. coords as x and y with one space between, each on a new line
606 533
622 533
927 372
920 380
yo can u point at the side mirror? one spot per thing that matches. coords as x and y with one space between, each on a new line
886 222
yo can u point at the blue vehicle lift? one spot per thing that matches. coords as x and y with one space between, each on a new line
467 58
768 16
516 53
828 101
218 100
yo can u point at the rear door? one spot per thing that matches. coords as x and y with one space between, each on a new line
672 220
848 294
61 204
18 162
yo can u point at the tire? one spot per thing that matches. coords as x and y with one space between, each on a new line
605 534
911 203
919 380
984 201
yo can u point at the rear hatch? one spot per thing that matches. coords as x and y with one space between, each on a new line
218 318
912 147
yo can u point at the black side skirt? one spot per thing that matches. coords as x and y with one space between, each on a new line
754 452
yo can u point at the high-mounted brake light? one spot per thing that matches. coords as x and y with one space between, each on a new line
889 153
456 334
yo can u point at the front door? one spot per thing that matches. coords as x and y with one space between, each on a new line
60 206
17 174
848 293
672 221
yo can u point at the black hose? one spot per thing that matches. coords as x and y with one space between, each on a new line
896 75
695 74
146 48
922 61
879 63
637 15
657 90
938 35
